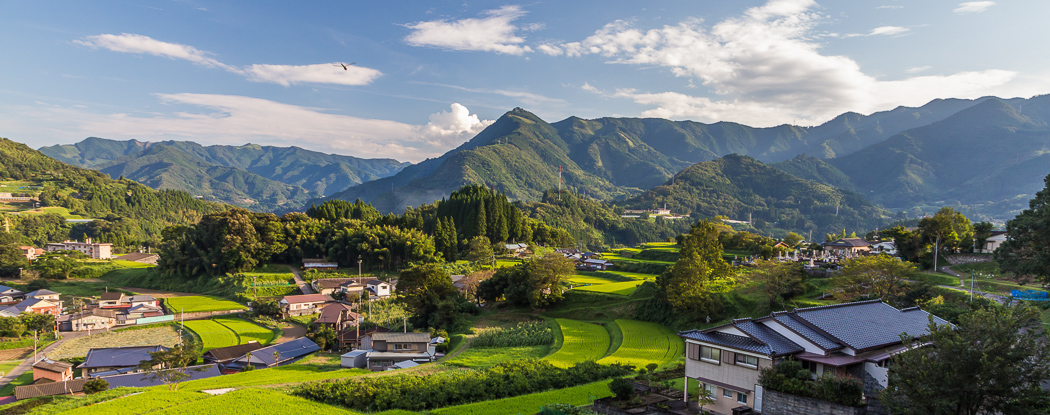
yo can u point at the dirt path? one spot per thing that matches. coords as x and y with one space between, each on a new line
303 286
291 333
157 293
964 284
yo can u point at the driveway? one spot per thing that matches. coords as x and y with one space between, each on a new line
303 286
27 364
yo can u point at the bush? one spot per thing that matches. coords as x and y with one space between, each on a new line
790 377
94 386
532 333
622 388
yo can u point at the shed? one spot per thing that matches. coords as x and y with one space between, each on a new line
356 358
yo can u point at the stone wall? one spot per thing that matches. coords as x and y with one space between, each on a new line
872 389
204 314
778 403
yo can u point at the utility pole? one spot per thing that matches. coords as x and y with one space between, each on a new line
936 247
34 347
971 286
255 287
405 321
359 269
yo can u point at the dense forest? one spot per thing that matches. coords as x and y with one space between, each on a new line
598 224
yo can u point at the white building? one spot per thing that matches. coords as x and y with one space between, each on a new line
92 250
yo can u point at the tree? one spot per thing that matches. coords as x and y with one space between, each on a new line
700 272
445 240
981 232
793 239
777 281
536 283
38 322
94 386
170 366
12 327
877 276
324 336
946 229
428 292
1025 253
479 249
992 362
59 264
622 388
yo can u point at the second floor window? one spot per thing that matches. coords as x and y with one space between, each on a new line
402 346
711 353
742 359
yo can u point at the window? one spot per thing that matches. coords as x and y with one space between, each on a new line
711 353
402 346
712 390
743 359
810 366
727 393
742 398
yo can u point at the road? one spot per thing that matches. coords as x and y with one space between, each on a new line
28 363
963 285
303 286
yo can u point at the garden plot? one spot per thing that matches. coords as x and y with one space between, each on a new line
78 347
645 343
582 342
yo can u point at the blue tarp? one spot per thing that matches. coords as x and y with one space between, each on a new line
1029 295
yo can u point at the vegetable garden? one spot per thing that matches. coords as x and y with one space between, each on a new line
645 343
582 342
531 333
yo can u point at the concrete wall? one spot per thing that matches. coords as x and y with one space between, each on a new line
778 403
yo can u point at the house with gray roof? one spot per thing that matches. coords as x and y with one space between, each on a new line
276 355
390 348
854 338
847 246
116 360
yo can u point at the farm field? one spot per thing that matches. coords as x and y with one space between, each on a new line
531 404
246 330
485 357
621 288
581 342
213 334
276 376
254 401
163 335
611 282
645 343
200 303
141 403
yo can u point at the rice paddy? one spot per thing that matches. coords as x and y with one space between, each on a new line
582 342
645 343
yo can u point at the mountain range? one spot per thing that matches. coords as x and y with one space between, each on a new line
261 177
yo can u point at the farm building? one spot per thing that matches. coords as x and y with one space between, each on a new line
300 305
116 360
10 295
52 370
847 246
276 355
386 349
225 355
92 319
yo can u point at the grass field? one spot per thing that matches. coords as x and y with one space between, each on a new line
198 303
246 330
277 376
580 342
620 288
645 343
163 335
478 358
532 403
22 380
611 282
141 403
254 401
213 334
632 275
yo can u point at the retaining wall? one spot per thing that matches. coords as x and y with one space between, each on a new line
779 403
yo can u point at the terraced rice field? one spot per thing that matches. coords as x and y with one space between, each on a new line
275 376
645 343
621 288
581 342
213 334
254 401
199 303
246 330
634 275
598 283
142 403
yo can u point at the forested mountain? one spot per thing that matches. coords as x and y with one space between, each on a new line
595 223
738 186
990 158
130 213
232 174
816 170
163 167
617 157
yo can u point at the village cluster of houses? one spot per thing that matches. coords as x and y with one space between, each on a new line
585 261
14 302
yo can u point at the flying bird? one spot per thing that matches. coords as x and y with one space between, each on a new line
346 66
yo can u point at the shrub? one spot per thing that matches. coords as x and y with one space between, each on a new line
94 386
622 388
790 377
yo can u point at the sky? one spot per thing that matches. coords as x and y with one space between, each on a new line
422 77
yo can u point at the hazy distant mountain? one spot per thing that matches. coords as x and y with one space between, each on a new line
991 157
617 157
320 173
741 187
817 170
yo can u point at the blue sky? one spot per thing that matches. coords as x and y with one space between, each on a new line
429 75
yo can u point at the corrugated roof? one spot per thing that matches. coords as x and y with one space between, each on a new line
40 292
233 352
50 389
53 365
402 337
119 356
850 242
306 298
111 296
288 350
866 324
332 282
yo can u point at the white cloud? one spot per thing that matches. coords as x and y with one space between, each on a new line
890 6
132 43
764 68
235 120
495 32
528 98
324 73
888 30
973 7
917 69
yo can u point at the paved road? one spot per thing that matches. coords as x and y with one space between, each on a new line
303 286
976 289
28 363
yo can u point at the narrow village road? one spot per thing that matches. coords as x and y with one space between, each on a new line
303 286
28 363
965 286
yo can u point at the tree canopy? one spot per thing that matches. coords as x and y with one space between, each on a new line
1026 252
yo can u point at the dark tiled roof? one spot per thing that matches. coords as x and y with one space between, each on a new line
288 350
233 352
803 330
40 292
778 344
851 242
49 389
729 340
866 324
93 312
331 313
119 356
141 380
350 335
332 282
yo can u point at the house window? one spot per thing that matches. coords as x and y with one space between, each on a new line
402 346
743 359
712 390
727 393
810 366
711 353
741 398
